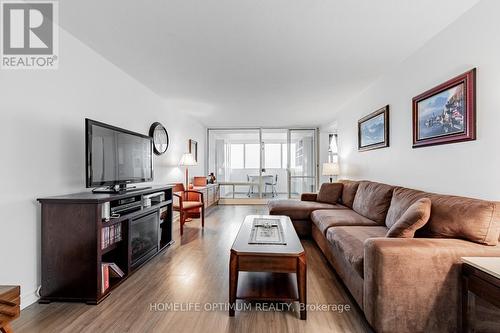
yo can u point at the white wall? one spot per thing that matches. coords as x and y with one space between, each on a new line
42 143
469 168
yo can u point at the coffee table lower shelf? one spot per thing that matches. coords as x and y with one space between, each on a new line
267 286
267 278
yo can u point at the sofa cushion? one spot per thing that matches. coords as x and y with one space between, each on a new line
415 217
451 216
348 241
330 193
372 200
298 210
402 199
306 196
348 191
325 219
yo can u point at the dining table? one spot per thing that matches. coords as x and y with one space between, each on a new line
255 180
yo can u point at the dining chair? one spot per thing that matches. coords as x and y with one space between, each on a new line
273 183
186 203
250 186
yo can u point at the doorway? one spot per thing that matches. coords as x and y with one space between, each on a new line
254 165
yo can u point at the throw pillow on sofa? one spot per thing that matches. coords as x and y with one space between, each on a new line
414 218
349 189
330 193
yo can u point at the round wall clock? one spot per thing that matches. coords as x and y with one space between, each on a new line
160 138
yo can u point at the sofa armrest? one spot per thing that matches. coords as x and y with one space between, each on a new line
414 284
308 196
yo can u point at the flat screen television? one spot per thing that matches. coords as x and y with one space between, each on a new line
116 157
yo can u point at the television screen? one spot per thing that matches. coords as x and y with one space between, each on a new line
117 156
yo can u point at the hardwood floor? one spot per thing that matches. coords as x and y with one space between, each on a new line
195 271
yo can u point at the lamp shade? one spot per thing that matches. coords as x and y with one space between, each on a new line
330 169
187 159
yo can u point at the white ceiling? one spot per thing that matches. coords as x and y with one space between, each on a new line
257 62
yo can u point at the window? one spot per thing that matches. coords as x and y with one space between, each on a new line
237 156
247 155
284 155
244 155
272 156
252 156
293 151
333 149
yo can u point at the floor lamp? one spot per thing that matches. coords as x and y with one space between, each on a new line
330 169
186 161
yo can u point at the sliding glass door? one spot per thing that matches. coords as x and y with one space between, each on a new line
275 163
260 163
302 163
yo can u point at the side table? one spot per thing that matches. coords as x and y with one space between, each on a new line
481 278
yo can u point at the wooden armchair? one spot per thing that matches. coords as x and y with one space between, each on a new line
188 201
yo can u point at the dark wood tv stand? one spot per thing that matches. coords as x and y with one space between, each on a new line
72 241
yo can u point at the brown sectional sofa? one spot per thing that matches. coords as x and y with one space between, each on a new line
401 284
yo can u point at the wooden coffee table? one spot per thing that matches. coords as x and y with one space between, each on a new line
266 268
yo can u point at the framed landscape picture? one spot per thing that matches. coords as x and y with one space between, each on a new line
446 113
373 130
